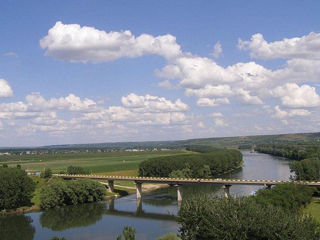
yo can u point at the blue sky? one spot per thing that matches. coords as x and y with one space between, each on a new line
104 71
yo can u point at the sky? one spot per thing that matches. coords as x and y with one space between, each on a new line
114 71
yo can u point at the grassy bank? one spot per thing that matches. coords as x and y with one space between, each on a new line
313 209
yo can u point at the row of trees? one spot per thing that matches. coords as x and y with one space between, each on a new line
271 215
307 158
60 192
192 165
291 151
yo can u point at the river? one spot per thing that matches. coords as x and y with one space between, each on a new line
152 218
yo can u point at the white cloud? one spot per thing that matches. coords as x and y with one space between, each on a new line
210 91
73 103
212 102
293 95
217 50
74 43
5 89
247 98
216 114
306 47
282 114
153 103
218 122
166 84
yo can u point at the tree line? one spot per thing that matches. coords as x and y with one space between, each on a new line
205 162
306 164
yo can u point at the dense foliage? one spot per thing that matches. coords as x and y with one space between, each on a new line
289 197
47 173
76 170
291 151
203 218
307 169
219 161
16 188
60 192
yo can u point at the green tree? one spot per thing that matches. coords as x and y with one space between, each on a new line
5 165
204 218
47 173
16 188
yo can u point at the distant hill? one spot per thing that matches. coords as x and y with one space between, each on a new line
220 142
235 142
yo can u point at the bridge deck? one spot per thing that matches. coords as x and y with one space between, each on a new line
180 181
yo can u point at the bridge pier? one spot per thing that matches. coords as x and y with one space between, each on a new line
179 193
226 189
267 186
139 206
139 190
110 186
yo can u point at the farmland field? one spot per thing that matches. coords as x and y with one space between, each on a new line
104 162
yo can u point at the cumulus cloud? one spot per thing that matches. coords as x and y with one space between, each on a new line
76 43
282 114
212 102
247 98
210 91
153 103
5 89
73 103
293 95
305 47
217 50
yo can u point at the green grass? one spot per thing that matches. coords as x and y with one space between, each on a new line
40 182
314 209
94 162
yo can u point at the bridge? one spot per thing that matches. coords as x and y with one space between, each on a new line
178 182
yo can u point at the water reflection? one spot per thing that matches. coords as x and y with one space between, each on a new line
16 227
72 216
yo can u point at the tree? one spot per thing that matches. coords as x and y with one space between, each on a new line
16 188
205 218
76 170
5 165
47 173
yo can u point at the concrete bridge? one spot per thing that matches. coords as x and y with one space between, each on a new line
178 182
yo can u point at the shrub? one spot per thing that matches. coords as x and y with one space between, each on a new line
47 173
241 219
76 170
16 188
287 196
60 192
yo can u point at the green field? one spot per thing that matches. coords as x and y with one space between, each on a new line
95 162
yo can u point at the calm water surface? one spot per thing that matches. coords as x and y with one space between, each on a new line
152 218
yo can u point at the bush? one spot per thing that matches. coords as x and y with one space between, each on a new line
241 219
60 192
76 170
307 169
290 197
47 173
201 164
16 188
